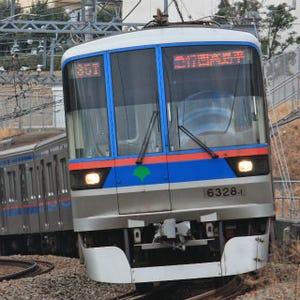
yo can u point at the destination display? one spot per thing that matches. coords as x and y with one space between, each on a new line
87 69
211 59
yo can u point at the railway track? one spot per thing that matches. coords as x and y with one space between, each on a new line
228 291
15 268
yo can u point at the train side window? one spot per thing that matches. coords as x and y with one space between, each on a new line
38 185
57 175
30 184
2 186
2 197
23 183
41 181
50 179
64 175
12 186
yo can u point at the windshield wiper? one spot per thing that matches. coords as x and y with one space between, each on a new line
147 138
197 141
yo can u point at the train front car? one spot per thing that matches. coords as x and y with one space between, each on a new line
169 156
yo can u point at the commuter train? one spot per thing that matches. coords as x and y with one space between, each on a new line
169 157
35 203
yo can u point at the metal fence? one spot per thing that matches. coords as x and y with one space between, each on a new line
283 91
282 75
282 67
32 109
287 204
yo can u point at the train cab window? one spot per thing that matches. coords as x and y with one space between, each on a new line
215 94
86 109
135 95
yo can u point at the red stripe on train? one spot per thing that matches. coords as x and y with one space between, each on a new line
163 158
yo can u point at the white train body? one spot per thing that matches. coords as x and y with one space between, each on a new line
169 154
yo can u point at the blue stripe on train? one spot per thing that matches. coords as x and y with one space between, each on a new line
35 209
169 173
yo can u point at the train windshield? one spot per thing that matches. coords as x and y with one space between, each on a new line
215 94
86 108
135 95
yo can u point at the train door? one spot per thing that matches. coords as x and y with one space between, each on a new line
33 207
2 203
141 166
41 197
14 205
63 192
57 190
51 199
22 184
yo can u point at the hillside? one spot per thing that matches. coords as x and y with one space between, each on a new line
285 147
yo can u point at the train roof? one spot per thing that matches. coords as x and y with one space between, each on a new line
161 35
28 142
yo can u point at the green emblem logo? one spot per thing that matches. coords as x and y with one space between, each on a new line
141 172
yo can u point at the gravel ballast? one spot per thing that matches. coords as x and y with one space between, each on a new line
68 280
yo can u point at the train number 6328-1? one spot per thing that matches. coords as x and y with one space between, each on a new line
227 191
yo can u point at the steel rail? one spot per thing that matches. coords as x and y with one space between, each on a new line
230 290
28 267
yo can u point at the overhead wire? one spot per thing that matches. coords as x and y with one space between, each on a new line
187 11
132 10
178 10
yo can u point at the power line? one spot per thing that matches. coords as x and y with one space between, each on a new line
76 30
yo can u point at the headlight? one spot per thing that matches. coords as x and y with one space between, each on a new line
245 166
88 179
250 165
92 178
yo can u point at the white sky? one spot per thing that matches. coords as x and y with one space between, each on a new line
194 8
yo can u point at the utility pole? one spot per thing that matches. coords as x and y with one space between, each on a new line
166 7
83 30
13 8
88 10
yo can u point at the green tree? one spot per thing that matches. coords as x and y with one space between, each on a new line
279 20
238 13
41 11
109 12
45 13
7 39
5 7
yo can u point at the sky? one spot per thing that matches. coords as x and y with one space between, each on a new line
194 9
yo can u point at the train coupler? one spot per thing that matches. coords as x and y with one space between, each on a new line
172 233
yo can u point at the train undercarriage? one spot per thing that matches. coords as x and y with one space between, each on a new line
180 246
55 243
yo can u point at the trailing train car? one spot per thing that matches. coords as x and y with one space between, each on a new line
169 154
35 203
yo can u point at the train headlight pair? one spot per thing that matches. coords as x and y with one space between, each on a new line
88 179
250 165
